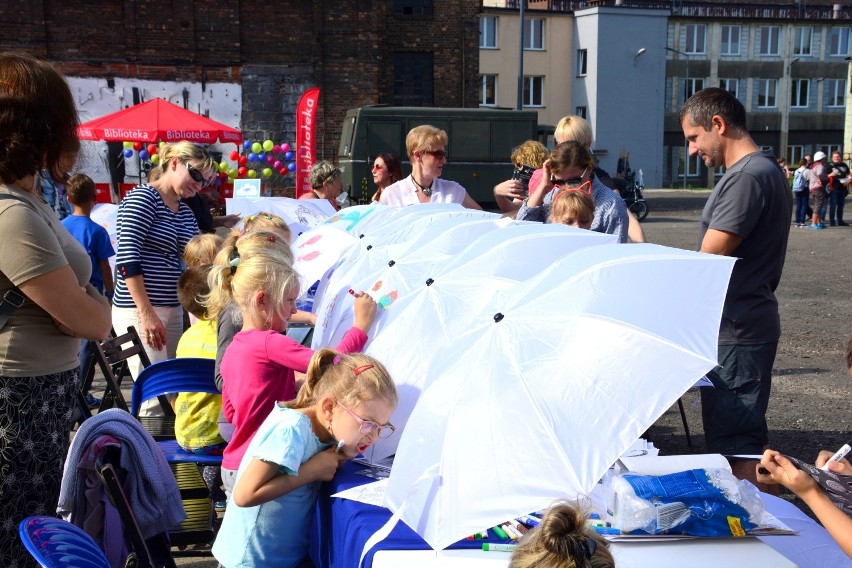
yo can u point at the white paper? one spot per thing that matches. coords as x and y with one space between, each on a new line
369 493
664 465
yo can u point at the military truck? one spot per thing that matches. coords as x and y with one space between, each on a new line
481 141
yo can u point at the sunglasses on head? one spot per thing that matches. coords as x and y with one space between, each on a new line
196 175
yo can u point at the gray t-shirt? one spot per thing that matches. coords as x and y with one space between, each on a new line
752 200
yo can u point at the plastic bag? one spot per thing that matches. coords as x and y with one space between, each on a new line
699 502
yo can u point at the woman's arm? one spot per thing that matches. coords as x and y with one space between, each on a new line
262 481
106 275
85 313
470 203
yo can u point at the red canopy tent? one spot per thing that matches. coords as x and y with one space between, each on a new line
157 120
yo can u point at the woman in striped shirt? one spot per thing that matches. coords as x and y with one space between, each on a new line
153 229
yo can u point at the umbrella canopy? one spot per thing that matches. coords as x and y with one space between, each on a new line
157 120
552 382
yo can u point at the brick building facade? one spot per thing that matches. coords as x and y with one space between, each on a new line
358 52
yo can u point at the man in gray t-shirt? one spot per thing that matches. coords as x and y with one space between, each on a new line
747 216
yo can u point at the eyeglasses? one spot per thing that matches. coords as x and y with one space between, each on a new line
378 167
197 176
570 182
437 154
368 426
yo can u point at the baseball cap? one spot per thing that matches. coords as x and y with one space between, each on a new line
819 156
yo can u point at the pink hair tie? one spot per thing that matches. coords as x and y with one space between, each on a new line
336 360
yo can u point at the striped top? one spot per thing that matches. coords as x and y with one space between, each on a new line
151 239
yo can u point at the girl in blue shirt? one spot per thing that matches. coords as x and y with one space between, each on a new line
344 405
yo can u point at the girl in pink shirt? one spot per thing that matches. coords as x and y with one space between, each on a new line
258 368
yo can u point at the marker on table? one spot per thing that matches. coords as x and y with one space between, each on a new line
339 447
510 530
490 547
500 534
838 455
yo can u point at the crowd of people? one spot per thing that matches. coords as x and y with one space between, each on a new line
819 188
279 436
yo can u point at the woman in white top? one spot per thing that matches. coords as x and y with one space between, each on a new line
426 147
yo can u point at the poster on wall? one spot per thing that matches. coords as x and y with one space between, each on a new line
306 114
246 188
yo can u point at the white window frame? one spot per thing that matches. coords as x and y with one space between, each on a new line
795 153
582 62
488 34
763 88
800 93
483 98
696 39
769 41
803 40
836 99
838 41
693 166
533 89
732 45
692 86
534 34
726 84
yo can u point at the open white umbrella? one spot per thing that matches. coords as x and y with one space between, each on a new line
318 250
545 390
451 293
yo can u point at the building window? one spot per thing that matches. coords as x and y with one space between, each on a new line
489 90
488 32
582 62
691 86
839 42
802 40
835 89
581 112
534 33
769 40
533 91
794 156
413 79
730 40
799 94
766 91
695 38
413 7
693 165
730 85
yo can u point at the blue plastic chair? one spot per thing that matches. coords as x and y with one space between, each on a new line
55 543
172 376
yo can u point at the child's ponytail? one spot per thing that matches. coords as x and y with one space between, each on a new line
349 379
219 278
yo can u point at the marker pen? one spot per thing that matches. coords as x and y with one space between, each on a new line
339 447
500 534
511 531
838 455
351 291
484 534
607 530
521 528
490 547
530 520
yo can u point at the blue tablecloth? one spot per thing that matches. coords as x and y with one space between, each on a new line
341 527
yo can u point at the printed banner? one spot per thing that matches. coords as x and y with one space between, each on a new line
306 115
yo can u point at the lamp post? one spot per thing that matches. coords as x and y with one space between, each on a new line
685 83
784 105
521 58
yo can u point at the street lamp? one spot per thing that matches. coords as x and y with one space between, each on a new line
685 84
638 53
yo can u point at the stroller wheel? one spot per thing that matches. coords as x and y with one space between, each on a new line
640 209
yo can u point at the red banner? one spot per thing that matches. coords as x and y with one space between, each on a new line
306 114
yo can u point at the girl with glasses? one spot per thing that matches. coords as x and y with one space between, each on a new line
344 405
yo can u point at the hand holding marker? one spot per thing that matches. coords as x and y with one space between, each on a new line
838 455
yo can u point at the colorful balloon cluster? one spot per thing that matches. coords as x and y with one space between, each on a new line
259 158
149 152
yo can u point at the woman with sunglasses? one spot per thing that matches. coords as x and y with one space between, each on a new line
571 165
153 228
427 152
386 171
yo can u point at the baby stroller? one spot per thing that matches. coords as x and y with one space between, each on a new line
630 186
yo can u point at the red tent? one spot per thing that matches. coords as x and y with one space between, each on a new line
157 120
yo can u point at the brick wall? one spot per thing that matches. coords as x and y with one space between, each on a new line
275 50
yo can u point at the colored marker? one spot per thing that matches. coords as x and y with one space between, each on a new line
484 534
351 291
339 447
491 547
521 528
500 534
838 455
510 530
606 530
529 520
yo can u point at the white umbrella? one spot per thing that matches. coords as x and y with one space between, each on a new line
543 393
300 214
318 250
452 293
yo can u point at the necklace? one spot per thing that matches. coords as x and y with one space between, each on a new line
426 189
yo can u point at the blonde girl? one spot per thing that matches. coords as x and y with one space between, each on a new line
255 271
202 249
573 207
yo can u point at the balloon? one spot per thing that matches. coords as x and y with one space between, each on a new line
289 156
137 146
155 159
276 149
261 156
252 157
234 155
251 174
285 147
144 155
243 160
268 145
223 176
247 144
242 171
291 166
270 158
152 149
267 172
284 171
232 173
128 144
128 153
223 166
277 165
256 147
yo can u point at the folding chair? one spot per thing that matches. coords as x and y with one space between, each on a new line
111 356
55 543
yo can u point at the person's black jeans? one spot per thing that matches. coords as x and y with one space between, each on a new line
835 205
801 206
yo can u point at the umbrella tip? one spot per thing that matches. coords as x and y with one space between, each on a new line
498 317
391 263
430 282
369 247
